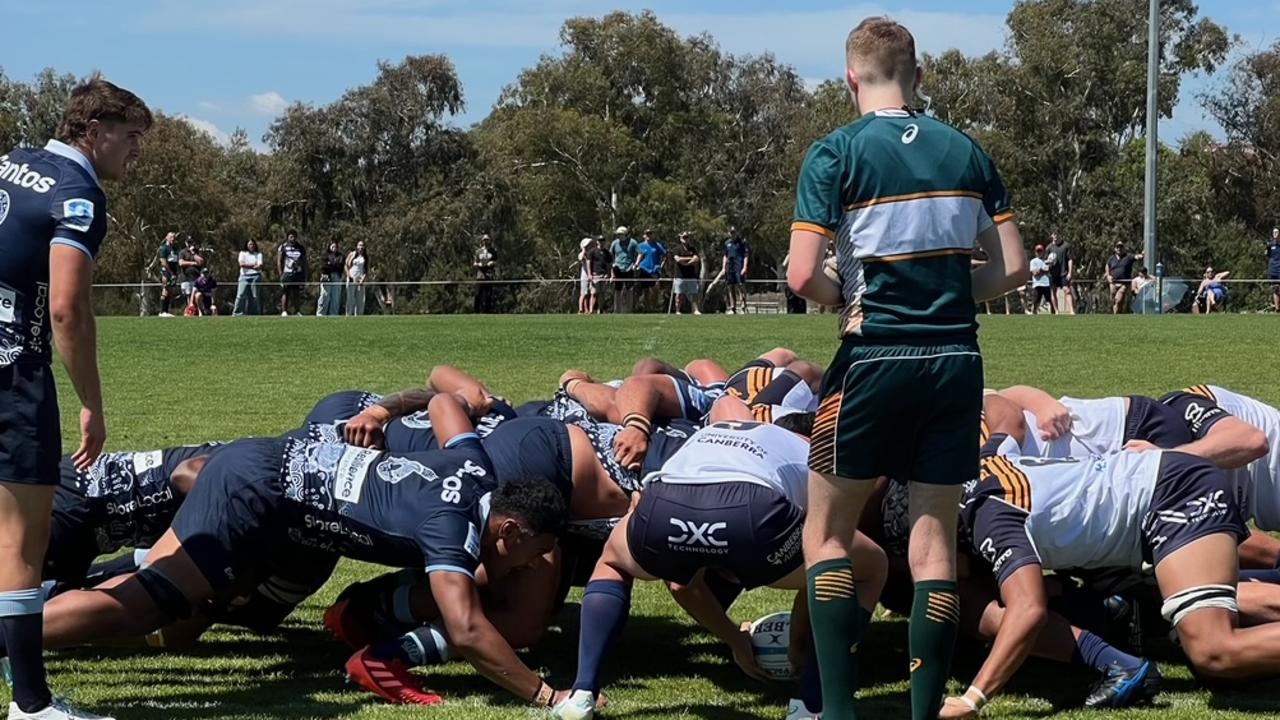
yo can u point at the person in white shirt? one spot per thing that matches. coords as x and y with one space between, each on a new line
249 291
1041 290
357 272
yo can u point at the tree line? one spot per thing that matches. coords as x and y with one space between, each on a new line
631 123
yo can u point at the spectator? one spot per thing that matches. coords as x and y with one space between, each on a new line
688 271
1273 267
1062 271
485 264
1212 292
202 297
625 251
167 257
652 257
190 261
734 267
249 289
1119 277
291 263
600 261
586 278
357 272
1041 289
1141 280
332 271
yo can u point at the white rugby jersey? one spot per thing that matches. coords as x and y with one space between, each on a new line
1260 479
1081 512
742 452
1097 428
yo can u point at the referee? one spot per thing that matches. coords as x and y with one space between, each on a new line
53 219
904 198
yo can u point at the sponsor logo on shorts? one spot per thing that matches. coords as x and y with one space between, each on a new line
334 527
698 537
159 497
788 549
145 461
1196 415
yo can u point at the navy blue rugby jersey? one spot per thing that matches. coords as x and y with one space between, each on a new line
48 196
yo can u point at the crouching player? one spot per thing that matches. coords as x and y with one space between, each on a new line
731 500
1171 509
436 510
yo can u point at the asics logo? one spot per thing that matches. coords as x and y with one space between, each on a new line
909 136
916 664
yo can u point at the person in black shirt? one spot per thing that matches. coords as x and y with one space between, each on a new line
53 220
1119 276
486 266
688 270
167 259
332 268
190 261
599 262
291 263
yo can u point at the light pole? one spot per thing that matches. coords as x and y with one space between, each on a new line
1149 250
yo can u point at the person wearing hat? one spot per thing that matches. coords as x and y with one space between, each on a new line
485 264
587 287
688 269
1041 289
626 253
1119 276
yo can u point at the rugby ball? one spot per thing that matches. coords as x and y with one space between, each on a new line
770 640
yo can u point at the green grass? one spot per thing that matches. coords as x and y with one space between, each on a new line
177 381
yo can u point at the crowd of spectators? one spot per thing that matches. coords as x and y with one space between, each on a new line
186 276
645 274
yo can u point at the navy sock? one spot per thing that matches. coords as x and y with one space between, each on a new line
419 647
22 626
1097 654
1262 576
605 606
811 679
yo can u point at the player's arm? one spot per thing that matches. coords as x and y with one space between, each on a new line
819 210
76 337
365 429
746 257
641 400
475 638
1003 417
449 379
999 531
1006 266
1219 437
1052 416
450 416
697 599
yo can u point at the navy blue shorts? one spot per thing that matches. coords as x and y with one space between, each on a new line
748 532
695 400
733 275
1159 424
289 575
231 518
30 435
1193 499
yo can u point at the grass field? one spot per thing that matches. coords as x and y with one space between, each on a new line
177 381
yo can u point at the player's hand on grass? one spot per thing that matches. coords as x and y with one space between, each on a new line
571 375
745 656
365 429
93 435
1054 423
1139 446
630 446
956 709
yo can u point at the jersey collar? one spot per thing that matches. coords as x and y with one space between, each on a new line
57 147
893 112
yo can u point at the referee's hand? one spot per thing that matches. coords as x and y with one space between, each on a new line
93 435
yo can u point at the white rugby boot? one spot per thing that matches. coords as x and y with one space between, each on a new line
60 709
796 710
580 705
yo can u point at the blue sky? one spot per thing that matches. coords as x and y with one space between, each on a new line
230 63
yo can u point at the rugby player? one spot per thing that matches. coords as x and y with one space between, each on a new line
437 510
53 220
1174 510
732 499
904 198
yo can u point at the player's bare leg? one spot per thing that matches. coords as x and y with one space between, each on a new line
1198 583
706 372
24 534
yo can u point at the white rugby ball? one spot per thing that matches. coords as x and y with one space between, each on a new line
770 640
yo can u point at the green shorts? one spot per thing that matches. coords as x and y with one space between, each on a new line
908 412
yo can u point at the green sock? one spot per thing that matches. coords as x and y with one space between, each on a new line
935 619
839 623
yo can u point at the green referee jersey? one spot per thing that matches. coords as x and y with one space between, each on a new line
903 197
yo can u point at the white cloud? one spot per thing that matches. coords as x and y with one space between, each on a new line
213 131
210 106
269 103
